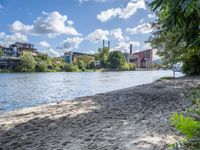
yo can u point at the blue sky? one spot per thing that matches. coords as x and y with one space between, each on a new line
56 26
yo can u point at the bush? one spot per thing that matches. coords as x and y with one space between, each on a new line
91 65
41 67
191 64
116 60
81 64
70 68
189 125
27 63
128 67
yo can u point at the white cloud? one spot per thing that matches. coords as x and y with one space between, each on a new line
70 43
117 34
44 44
108 14
52 53
131 8
98 35
19 27
123 13
52 24
125 46
144 28
10 39
151 15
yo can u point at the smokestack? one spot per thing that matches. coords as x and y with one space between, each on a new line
109 44
103 43
131 48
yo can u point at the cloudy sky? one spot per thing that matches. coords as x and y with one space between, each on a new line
56 26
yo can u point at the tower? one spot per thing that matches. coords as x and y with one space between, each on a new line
131 48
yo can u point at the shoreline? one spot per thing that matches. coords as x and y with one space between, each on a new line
131 118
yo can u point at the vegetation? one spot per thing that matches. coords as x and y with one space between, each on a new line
116 60
27 63
103 56
177 39
1 52
189 124
177 35
70 68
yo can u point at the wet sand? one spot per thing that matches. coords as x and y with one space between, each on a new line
135 118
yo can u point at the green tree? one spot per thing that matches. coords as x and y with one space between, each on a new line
116 60
103 56
41 67
81 64
70 68
177 33
180 14
27 62
1 52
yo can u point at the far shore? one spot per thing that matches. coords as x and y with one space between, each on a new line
134 118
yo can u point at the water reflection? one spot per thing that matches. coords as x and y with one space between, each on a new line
19 90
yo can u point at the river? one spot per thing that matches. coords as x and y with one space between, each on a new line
21 90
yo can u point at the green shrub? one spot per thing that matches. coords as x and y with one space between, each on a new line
41 67
91 65
128 67
189 125
70 68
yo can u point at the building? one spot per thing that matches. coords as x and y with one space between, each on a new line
8 63
16 49
71 57
142 59
11 54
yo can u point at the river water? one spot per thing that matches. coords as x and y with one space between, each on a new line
21 90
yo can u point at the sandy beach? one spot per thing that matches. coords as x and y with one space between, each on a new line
135 118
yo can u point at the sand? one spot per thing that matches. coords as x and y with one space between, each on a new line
135 118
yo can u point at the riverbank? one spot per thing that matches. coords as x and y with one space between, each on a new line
134 118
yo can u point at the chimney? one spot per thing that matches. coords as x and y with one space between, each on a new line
103 43
109 44
131 48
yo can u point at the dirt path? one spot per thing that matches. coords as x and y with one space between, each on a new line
135 118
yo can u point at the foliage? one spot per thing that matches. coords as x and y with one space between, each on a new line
180 14
81 64
189 125
70 68
41 67
177 33
103 56
191 63
27 62
1 52
91 65
128 67
116 60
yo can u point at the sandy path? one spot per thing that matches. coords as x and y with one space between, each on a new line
135 118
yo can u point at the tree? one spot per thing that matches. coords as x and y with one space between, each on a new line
70 68
103 56
27 62
81 64
180 14
41 67
177 33
116 60
1 52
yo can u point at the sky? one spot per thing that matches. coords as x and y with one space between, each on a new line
57 26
